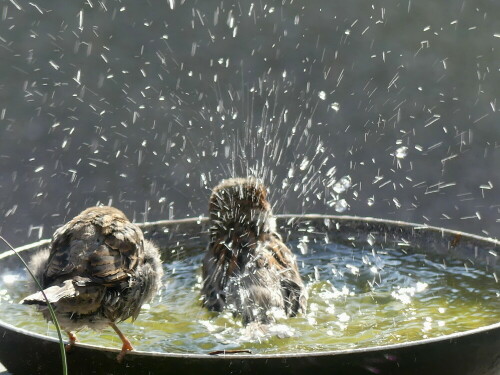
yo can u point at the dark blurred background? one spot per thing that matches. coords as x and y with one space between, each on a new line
146 105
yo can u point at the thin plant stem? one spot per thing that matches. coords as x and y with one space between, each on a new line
51 310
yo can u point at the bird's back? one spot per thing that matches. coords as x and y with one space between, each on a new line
100 244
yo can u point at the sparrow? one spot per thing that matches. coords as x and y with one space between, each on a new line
247 268
98 271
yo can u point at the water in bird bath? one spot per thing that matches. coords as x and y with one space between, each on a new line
358 298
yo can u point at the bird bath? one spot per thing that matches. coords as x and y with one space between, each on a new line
470 351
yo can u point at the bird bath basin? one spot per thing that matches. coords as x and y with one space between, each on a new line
471 351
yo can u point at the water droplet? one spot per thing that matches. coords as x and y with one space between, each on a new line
230 19
342 185
303 245
335 106
304 163
322 95
54 65
316 273
402 152
341 205
370 201
344 317
370 239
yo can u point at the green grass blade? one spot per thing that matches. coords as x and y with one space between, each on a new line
51 310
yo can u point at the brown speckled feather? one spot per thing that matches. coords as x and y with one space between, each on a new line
100 244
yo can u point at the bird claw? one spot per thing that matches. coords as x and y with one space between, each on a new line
72 339
127 346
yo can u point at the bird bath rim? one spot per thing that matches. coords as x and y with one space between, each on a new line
262 356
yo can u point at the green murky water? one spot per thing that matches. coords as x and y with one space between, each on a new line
357 299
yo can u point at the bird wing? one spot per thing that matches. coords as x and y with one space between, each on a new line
292 287
218 265
59 262
103 247
118 256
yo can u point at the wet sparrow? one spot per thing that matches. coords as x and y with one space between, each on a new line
247 267
98 271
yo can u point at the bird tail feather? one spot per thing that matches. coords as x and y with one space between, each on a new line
53 293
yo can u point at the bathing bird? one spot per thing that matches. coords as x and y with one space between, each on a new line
247 268
98 271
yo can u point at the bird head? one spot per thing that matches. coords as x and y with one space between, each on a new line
240 211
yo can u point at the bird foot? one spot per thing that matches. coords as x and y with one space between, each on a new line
72 339
127 346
